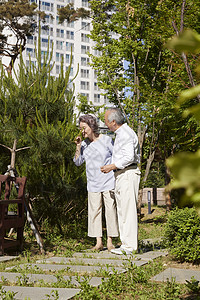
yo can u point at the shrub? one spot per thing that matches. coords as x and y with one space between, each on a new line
182 234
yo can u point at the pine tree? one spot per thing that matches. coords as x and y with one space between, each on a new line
17 22
37 111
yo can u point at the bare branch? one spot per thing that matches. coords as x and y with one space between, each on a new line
6 147
156 71
24 148
147 54
182 16
175 27
118 99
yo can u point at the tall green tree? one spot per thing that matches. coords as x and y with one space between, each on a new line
37 111
130 37
17 21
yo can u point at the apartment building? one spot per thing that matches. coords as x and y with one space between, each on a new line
63 37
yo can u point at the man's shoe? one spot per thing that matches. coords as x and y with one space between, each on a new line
120 251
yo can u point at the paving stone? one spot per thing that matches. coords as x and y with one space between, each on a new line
73 268
150 255
152 241
37 293
85 261
146 256
34 278
180 275
104 255
7 258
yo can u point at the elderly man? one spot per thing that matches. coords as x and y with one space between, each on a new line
125 161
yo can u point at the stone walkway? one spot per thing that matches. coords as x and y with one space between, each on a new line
49 271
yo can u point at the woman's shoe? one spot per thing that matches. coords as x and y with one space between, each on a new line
97 248
110 247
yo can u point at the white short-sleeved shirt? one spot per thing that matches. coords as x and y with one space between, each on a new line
97 154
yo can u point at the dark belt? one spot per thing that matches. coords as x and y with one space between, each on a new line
132 166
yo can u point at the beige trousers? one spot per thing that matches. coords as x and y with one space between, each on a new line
95 202
126 193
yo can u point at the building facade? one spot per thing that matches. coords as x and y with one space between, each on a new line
64 37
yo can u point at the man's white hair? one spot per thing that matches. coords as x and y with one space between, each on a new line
115 114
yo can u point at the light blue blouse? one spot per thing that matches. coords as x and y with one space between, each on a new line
95 155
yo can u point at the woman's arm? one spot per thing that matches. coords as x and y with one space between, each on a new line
78 157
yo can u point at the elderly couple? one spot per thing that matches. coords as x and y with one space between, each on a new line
112 173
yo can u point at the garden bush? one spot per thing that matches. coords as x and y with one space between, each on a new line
182 234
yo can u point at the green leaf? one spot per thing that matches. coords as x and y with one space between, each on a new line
189 94
188 41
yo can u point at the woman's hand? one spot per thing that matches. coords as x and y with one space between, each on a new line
78 140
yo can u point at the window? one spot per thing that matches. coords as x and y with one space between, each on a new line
57 69
59 6
30 51
30 63
71 24
97 98
70 1
44 43
84 73
43 53
85 49
59 45
84 61
70 35
47 6
95 74
85 26
71 71
51 31
68 58
85 85
85 3
31 40
96 88
86 95
97 52
69 46
45 30
59 57
57 21
60 33
48 19
84 38
106 100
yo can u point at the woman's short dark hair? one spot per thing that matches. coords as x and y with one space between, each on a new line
91 121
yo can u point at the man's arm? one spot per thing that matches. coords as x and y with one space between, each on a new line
108 168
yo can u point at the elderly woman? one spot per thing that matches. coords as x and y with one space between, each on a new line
96 150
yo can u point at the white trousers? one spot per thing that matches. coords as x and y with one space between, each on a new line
126 193
95 202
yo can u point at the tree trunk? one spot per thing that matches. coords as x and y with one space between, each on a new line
13 154
167 193
148 166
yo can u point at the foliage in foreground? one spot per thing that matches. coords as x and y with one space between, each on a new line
182 233
185 167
